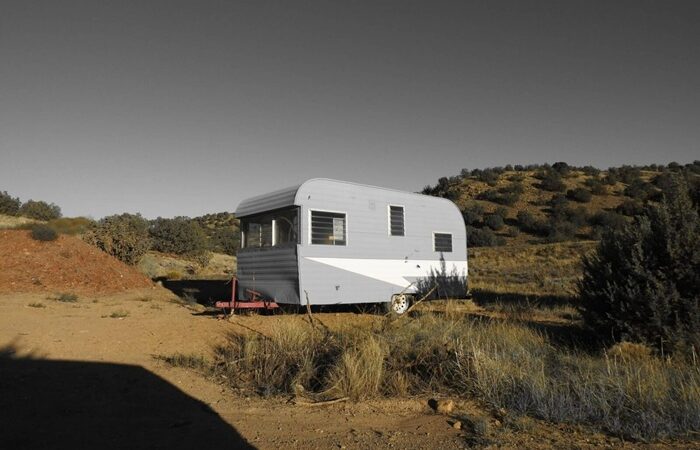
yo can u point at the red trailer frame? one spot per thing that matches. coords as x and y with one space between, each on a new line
255 301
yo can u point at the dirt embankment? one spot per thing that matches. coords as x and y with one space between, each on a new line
65 265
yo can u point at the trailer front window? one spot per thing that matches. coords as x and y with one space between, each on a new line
257 231
271 230
286 227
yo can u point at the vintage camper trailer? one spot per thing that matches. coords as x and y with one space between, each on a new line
337 242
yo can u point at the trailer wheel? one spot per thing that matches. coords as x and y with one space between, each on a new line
398 304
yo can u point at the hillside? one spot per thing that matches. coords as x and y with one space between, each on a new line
557 203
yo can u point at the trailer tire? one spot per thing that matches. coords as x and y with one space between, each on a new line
398 305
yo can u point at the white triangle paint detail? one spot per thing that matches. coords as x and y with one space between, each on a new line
392 271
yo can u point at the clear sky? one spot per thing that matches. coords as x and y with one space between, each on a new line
183 108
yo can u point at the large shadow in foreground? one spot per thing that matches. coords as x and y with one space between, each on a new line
48 404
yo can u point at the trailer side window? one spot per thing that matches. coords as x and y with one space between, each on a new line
328 228
396 221
442 242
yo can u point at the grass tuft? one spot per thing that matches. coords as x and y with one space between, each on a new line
67 297
119 314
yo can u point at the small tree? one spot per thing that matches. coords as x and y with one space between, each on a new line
123 236
40 210
9 205
181 236
643 283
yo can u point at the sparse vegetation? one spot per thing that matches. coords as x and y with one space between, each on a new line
36 305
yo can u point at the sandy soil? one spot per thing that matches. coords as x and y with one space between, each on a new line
121 334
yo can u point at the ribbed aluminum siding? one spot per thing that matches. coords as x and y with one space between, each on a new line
267 202
272 271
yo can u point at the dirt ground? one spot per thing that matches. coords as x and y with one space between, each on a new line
85 375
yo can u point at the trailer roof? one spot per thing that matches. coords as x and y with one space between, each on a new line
286 197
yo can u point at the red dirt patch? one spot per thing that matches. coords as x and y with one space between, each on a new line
65 265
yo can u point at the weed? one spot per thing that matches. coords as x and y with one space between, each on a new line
66 297
119 314
37 305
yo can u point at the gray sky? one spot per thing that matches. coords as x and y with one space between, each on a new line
183 108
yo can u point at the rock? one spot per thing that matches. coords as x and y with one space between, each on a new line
457 425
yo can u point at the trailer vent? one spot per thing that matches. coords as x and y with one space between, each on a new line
396 221
328 228
442 242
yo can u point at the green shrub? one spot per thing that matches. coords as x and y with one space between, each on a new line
640 190
180 235
40 210
552 182
603 221
560 230
473 214
580 195
494 221
626 174
562 168
43 233
643 283
501 211
506 195
596 186
590 170
9 205
531 224
477 237
488 176
123 236
610 179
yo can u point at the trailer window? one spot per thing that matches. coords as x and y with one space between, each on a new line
328 228
286 229
442 242
396 221
257 231
272 229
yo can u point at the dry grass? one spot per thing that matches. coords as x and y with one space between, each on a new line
501 363
528 270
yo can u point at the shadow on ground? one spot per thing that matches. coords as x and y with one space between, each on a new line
484 298
49 404
204 292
